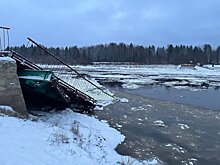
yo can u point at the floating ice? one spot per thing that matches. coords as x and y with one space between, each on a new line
183 126
159 123
124 100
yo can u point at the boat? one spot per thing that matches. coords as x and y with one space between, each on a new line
42 88
39 86
48 88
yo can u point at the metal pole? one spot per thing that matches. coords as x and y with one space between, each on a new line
0 43
68 66
4 39
1 27
8 39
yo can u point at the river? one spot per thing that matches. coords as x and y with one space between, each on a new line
175 125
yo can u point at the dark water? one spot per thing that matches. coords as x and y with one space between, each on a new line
208 98
197 143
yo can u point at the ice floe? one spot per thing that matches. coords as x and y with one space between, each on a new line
135 76
159 123
183 126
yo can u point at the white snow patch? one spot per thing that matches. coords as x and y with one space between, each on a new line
190 161
6 108
125 116
124 100
7 59
102 103
104 121
159 123
98 108
179 149
61 138
118 125
169 145
134 76
183 126
130 86
176 148
148 105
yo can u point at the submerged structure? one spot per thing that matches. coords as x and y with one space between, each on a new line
57 84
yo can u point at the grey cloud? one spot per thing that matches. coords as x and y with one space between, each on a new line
146 22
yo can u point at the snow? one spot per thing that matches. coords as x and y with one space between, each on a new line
190 161
159 123
87 88
175 147
124 100
59 138
130 86
183 126
135 76
8 59
6 108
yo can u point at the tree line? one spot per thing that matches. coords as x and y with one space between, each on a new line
126 53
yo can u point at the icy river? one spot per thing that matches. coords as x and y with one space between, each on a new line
156 125
198 98
172 113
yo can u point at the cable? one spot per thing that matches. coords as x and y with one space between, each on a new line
27 43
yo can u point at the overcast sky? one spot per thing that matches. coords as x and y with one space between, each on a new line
89 22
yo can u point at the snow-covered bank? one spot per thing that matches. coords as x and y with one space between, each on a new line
60 138
7 59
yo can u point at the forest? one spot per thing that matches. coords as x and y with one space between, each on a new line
125 53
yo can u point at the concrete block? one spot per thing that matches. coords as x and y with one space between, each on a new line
10 89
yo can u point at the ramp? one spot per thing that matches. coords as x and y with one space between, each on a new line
75 88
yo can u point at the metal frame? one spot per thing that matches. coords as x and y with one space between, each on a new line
16 56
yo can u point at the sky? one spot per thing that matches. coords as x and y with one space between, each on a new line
89 22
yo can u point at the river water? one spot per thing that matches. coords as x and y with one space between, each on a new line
177 126
202 98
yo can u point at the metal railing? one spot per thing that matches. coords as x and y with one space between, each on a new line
70 76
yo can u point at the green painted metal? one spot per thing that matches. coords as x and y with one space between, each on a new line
39 82
36 75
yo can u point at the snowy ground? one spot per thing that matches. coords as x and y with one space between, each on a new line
6 59
60 138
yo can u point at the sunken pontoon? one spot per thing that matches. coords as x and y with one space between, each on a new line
54 83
